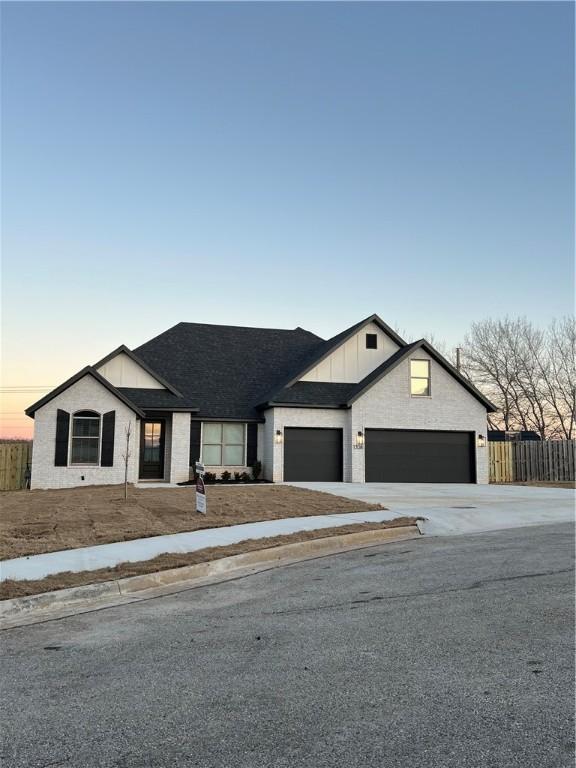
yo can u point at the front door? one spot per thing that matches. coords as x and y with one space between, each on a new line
152 450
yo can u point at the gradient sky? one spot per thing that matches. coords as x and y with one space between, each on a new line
278 164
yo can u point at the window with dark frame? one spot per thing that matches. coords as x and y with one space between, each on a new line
85 441
420 378
223 444
371 341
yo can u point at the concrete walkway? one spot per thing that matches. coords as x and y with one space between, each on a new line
452 509
109 555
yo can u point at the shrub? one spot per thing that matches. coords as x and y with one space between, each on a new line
256 469
237 476
225 476
209 477
245 477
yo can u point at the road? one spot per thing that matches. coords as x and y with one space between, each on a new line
451 652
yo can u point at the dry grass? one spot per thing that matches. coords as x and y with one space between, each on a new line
10 589
545 484
32 522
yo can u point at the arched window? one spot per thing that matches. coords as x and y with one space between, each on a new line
85 438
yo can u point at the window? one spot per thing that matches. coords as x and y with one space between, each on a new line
223 444
371 341
420 378
85 438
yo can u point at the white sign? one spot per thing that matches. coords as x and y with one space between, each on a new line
200 496
200 469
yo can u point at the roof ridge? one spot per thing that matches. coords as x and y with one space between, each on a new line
246 327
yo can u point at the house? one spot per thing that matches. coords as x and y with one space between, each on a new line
510 436
363 406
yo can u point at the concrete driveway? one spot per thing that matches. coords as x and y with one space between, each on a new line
452 509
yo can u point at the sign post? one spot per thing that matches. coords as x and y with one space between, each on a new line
200 489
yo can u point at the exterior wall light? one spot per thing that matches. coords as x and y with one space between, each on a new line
359 440
278 437
481 441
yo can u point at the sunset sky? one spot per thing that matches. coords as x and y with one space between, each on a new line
277 165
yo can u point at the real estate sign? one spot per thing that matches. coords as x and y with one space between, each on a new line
200 490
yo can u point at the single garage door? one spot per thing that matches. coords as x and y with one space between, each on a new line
418 456
312 454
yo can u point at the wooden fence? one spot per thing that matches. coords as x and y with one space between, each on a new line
545 461
15 459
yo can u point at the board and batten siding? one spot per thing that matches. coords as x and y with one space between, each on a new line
351 361
122 371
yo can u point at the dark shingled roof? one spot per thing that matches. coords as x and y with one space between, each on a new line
226 371
232 372
326 394
151 399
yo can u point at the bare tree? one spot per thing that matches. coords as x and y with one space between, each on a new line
527 372
126 457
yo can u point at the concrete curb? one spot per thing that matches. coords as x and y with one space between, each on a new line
21 611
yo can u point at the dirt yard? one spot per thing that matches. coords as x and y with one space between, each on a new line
545 484
10 589
32 522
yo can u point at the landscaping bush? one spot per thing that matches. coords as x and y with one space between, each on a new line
209 477
237 477
256 469
245 477
225 476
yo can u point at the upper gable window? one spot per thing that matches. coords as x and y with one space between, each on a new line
420 378
371 341
85 438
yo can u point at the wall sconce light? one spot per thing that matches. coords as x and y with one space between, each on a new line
278 437
481 441
359 440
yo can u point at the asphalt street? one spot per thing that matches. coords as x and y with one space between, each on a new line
449 652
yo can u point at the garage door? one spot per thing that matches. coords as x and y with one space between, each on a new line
312 454
414 456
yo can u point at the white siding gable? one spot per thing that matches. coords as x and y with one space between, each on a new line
122 371
351 361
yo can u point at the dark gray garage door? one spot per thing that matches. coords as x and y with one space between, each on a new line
312 454
414 456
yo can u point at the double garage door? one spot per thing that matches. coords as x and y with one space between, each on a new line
418 456
391 456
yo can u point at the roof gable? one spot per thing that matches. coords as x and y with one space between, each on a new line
328 347
341 395
402 355
87 371
148 376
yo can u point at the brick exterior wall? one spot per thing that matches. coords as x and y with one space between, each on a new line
180 448
388 404
86 394
89 394
278 418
